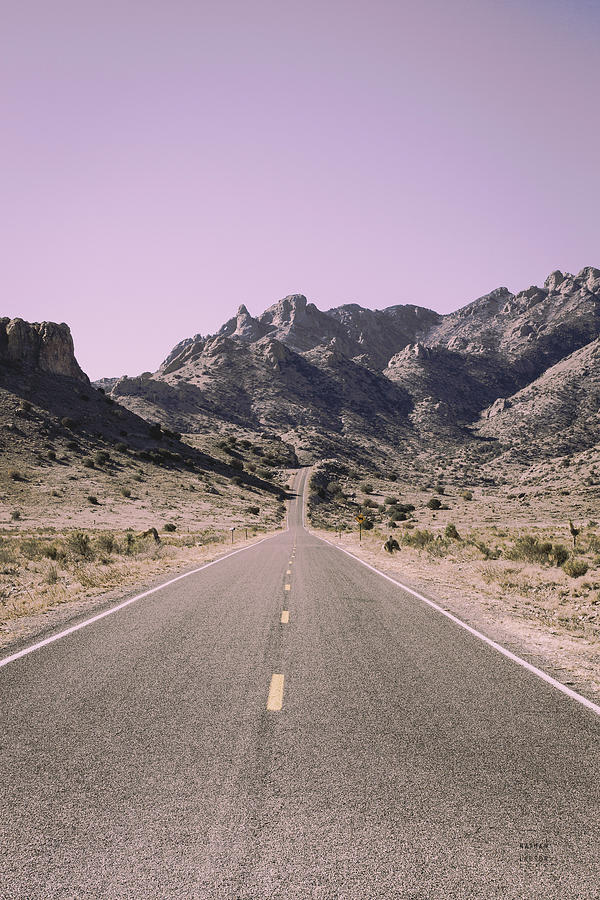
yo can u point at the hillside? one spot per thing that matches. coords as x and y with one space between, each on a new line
72 456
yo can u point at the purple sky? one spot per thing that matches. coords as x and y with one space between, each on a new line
163 161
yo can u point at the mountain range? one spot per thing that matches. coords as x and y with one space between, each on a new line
350 380
510 379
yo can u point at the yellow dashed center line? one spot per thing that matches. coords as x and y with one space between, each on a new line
285 617
275 701
288 587
289 572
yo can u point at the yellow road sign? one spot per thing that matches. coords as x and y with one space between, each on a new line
360 518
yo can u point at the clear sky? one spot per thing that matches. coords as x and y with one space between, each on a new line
163 161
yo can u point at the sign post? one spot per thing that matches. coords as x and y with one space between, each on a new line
360 519
232 529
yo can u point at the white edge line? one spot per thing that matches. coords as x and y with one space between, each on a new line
114 609
517 659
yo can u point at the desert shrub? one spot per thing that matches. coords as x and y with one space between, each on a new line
79 544
391 501
53 551
129 543
451 532
264 473
369 504
530 549
51 575
52 454
440 488
67 422
237 464
575 567
125 492
418 538
593 542
252 510
334 488
25 405
401 508
15 475
170 527
366 487
155 431
251 467
31 548
72 445
399 516
89 463
466 495
236 480
393 477
92 499
15 515
368 524
560 554
106 542
121 447
101 457
434 503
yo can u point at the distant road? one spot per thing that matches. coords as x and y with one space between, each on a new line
286 723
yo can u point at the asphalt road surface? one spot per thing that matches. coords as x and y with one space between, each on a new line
195 744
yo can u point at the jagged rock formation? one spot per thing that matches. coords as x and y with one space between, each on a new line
397 377
44 346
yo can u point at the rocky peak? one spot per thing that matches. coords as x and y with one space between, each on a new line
178 350
532 295
288 311
45 346
298 323
243 326
590 278
554 280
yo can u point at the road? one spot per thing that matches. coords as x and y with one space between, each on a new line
400 756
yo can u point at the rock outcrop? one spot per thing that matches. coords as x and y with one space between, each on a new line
43 346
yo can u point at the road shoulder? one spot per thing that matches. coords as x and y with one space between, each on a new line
570 659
